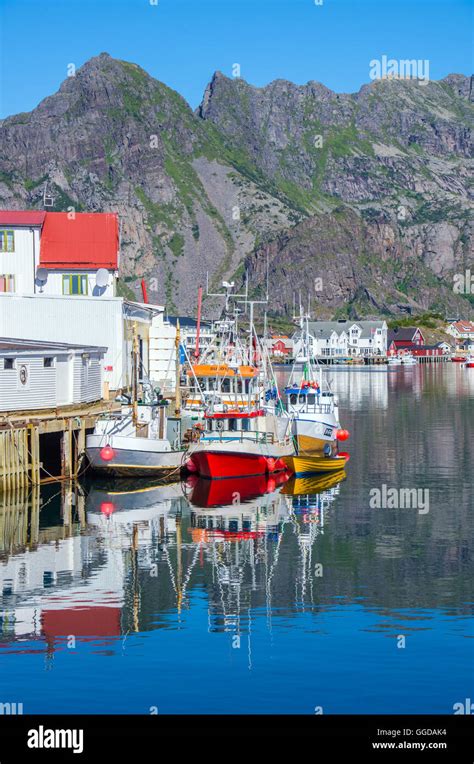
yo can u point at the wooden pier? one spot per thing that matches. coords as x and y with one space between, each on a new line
47 445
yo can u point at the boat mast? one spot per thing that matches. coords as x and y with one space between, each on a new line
177 407
134 373
198 327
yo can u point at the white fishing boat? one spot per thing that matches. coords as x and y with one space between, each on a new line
310 404
123 446
138 440
407 359
403 359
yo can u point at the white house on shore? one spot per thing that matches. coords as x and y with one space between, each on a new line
59 253
461 330
58 274
341 339
106 322
39 375
163 345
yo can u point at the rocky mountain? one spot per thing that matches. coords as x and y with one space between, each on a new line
363 201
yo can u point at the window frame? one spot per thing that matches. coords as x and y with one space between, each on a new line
82 280
11 278
4 240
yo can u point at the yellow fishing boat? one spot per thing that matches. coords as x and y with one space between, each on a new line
312 484
312 464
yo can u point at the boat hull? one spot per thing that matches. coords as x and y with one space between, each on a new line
225 465
311 465
137 457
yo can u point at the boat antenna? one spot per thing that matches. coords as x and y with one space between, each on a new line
267 279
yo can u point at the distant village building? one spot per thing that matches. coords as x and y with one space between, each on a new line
461 330
60 253
279 346
188 333
405 339
429 351
343 339
39 375
410 339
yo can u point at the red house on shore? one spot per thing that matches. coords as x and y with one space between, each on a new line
404 339
280 345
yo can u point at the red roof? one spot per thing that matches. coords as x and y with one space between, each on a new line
88 241
22 217
464 326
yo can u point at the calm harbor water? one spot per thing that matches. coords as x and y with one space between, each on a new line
134 599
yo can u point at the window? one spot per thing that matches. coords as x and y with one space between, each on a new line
9 363
7 283
7 241
48 363
75 284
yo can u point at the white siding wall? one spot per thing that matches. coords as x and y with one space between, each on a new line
21 262
87 377
80 321
162 352
54 283
38 393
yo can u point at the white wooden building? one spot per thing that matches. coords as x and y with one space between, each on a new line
59 253
105 322
341 339
163 345
163 352
41 375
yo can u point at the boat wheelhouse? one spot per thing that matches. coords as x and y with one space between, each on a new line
222 387
315 417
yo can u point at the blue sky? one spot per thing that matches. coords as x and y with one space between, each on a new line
182 42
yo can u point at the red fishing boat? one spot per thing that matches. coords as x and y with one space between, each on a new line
240 443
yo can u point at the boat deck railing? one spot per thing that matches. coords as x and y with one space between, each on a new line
312 408
240 437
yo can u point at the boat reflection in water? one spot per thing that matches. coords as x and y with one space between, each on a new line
110 559
248 508
242 529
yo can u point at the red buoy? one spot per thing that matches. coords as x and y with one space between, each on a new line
107 508
342 434
107 453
